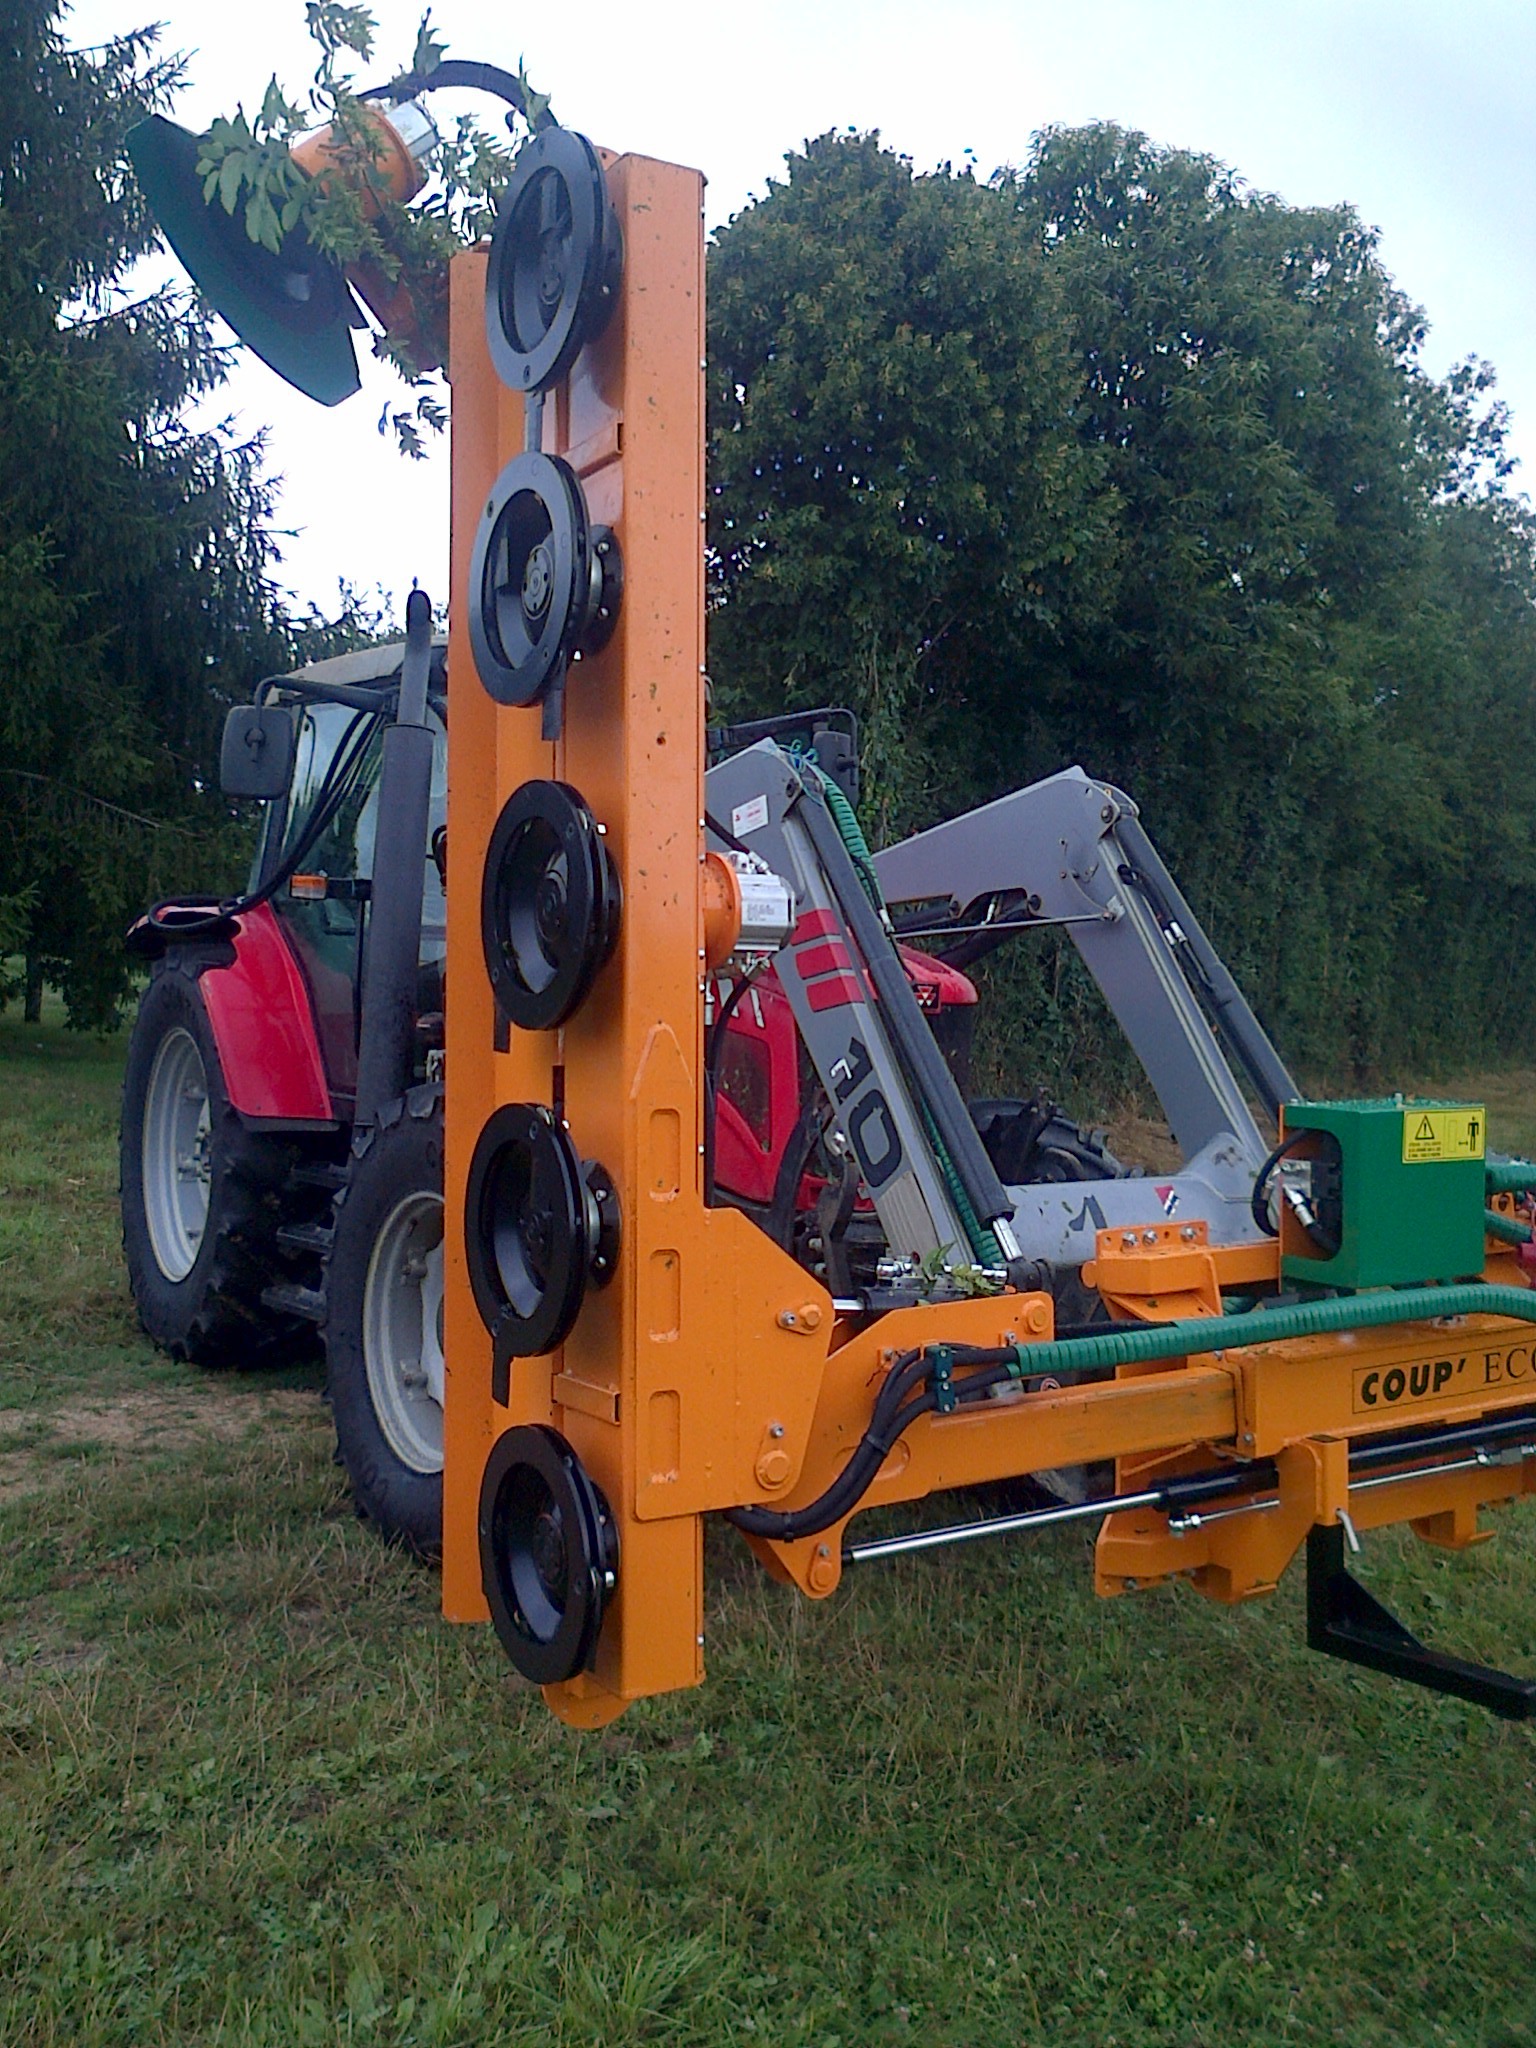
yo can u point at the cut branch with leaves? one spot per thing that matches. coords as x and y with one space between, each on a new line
348 213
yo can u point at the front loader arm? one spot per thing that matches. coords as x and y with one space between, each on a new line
1075 850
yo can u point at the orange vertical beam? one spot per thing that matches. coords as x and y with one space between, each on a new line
630 420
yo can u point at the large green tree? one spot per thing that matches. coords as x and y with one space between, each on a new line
1115 460
134 544
900 504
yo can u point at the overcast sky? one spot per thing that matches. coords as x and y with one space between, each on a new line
1421 113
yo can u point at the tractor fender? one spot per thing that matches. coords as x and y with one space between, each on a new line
264 1027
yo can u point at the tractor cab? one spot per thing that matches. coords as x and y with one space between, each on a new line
338 710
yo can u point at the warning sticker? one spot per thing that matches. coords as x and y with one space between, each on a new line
1430 1134
751 816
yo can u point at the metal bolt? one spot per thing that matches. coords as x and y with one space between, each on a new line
1149 1237
775 1429
1189 1233
822 1550
1128 1242
1107 813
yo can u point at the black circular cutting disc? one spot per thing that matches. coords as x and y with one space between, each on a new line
549 1553
529 578
526 1230
549 905
556 258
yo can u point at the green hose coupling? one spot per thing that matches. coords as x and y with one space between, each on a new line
941 1378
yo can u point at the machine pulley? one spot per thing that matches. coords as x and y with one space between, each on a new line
549 1553
557 255
544 585
541 1225
549 904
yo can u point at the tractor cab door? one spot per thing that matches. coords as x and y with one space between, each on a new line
328 928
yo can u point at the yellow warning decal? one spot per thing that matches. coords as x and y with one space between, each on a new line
1430 1134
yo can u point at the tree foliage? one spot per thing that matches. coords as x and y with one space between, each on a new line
1113 459
134 548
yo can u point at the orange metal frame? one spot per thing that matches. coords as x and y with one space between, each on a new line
714 1371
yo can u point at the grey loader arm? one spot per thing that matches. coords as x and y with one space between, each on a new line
1075 849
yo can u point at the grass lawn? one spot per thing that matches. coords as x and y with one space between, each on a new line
254 1790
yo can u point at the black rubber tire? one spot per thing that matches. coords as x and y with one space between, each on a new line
213 1315
1031 1141
401 1154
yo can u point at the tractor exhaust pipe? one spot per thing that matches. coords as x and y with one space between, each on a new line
390 962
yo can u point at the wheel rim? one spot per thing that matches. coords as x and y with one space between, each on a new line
403 1331
177 1158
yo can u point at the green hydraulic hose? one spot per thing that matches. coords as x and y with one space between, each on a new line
1202 1334
1510 1176
984 1245
846 818
1509 1228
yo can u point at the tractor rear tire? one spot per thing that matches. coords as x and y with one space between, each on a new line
383 1330
199 1192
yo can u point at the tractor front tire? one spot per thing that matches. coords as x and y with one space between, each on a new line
199 1192
383 1331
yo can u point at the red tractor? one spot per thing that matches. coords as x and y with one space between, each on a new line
281 1158
282 1108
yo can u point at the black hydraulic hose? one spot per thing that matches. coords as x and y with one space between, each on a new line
896 1409
1234 1019
335 788
926 1066
726 838
464 72
793 1163
387 1036
1258 1206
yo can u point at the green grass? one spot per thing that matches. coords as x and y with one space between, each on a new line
254 1790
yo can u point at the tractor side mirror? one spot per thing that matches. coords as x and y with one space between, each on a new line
257 757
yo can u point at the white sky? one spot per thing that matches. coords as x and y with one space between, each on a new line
1422 113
